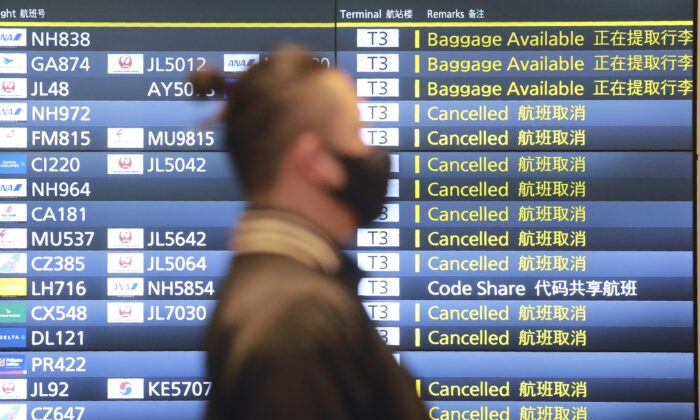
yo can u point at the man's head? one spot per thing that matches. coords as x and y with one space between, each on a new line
293 133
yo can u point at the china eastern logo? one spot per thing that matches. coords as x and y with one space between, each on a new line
125 63
13 37
13 137
125 138
125 388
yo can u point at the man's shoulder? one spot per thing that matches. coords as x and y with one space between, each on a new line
274 296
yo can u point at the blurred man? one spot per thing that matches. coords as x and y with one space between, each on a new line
290 339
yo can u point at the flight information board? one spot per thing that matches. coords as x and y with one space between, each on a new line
535 258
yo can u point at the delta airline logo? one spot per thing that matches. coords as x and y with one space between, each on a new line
125 388
13 389
125 138
124 263
124 312
125 63
11 212
13 63
13 88
13 37
10 187
13 137
13 263
13 238
13 411
125 286
235 63
13 364
124 238
13 287
13 337
125 164
13 112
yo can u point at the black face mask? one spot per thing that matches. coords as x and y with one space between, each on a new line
366 183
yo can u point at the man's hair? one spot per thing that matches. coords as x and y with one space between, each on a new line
264 112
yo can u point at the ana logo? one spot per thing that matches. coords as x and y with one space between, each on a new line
13 187
125 64
125 61
13 137
11 37
8 86
125 138
12 111
124 287
125 162
235 63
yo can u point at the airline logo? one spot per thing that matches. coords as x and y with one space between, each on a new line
125 138
124 164
125 286
13 286
10 212
13 389
13 312
125 263
125 63
13 238
13 63
13 164
125 312
13 262
124 238
13 411
13 187
125 388
13 88
13 337
13 364
235 63
13 37
13 112
13 137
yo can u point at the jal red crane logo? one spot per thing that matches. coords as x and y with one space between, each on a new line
125 162
8 86
125 261
125 236
8 387
125 61
125 311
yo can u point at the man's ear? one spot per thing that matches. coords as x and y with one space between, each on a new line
310 157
